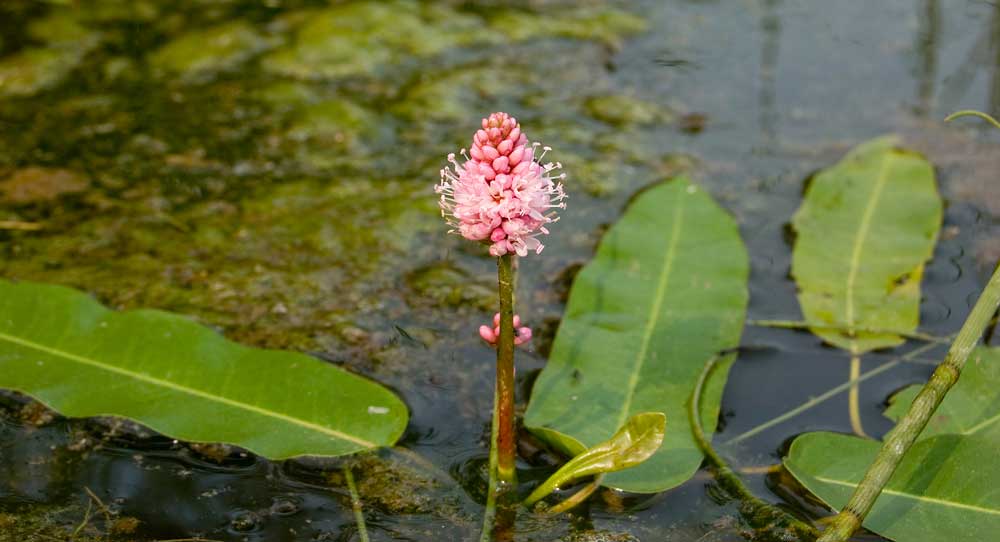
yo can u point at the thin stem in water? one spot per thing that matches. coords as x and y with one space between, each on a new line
577 497
829 394
901 437
972 113
359 516
853 398
754 509
798 324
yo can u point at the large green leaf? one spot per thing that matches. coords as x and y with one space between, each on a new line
184 380
972 406
666 292
945 487
864 231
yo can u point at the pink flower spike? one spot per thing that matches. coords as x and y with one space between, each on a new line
502 194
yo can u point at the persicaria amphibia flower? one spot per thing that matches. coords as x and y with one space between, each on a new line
501 193
522 334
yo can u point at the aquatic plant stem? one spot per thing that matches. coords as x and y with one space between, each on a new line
359 517
853 398
500 501
577 497
973 113
901 437
798 324
504 427
754 509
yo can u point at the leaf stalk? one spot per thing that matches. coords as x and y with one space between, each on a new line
753 508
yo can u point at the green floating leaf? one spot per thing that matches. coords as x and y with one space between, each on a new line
666 291
184 380
634 443
972 406
864 231
944 489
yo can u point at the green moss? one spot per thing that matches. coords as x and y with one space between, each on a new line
443 285
46 523
62 27
395 488
286 96
609 26
276 268
454 96
31 71
600 536
359 38
332 131
201 54
623 110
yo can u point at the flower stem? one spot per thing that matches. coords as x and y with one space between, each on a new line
500 502
503 428
899 440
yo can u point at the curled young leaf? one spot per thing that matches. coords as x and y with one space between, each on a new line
635 442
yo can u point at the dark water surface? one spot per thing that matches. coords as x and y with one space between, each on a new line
267 168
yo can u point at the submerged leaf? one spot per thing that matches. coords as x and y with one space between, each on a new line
634 443
666 291
864 231
184 380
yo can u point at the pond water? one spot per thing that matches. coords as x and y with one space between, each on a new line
267 168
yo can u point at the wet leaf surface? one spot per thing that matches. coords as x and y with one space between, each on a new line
634 443
945 487
864 230
666 291
184 380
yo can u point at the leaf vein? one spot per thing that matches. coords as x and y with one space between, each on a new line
654 311
184 389
923 498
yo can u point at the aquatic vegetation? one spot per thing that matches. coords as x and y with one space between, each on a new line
638 439
861 284
265 169
158 368
202 54
939 491
641 321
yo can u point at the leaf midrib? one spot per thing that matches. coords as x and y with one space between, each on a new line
184 389
922 498
655 308
859 241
